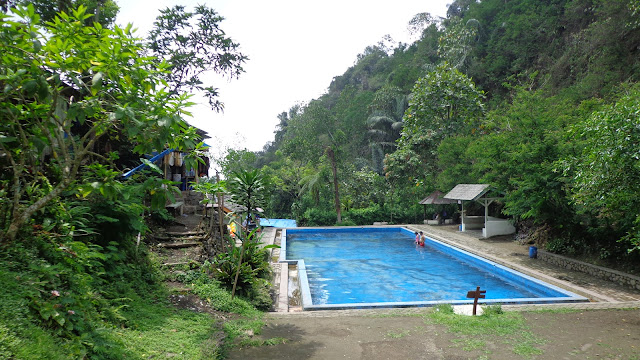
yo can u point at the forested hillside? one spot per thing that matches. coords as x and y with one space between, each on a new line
537 98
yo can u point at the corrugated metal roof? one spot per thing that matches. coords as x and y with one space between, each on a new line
436 198
467 191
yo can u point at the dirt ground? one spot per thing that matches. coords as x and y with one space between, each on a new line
590 334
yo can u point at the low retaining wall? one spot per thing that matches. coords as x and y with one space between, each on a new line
437 222
621 278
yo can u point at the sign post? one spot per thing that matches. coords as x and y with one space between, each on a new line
475 295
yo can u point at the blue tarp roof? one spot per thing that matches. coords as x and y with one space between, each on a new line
154 158
142 166
279 223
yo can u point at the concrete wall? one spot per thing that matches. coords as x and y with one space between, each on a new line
495 226
473 222
437 222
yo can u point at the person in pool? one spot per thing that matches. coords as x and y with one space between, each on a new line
417 238
422 239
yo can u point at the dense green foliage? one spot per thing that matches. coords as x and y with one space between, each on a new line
537 98
103 11
79 281
606 169
64 90
254 272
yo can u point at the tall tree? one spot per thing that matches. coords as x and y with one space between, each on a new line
193 43
315 135
444 103
606 173
419 22
66 85
104 11
517 152
456 43
385 123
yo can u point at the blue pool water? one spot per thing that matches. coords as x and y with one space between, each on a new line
352 267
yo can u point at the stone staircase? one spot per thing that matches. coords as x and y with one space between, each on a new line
192 201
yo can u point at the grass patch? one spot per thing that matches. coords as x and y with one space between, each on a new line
246 322
475 331
397 335
268 342
161 331
470 344
55 308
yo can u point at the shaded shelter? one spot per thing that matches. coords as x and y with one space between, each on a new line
436 198
485 195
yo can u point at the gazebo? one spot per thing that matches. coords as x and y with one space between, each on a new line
436 198
485 195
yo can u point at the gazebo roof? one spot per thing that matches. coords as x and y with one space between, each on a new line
436 198
467 191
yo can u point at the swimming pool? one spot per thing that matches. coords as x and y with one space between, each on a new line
341 268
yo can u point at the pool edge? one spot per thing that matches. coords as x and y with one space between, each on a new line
307 303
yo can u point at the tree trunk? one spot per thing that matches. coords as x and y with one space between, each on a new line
22 217
336 193
220 216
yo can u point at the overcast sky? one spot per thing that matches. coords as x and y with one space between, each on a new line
295 48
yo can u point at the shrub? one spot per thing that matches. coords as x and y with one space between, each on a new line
493 310
346 222
365 216
161 216
61 297
253 270
260 296
225 267
318 217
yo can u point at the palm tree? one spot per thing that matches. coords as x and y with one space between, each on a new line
312 183
385 123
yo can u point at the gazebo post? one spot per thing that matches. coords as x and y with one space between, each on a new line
462 216
486 213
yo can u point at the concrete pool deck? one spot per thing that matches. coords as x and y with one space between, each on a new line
601 293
